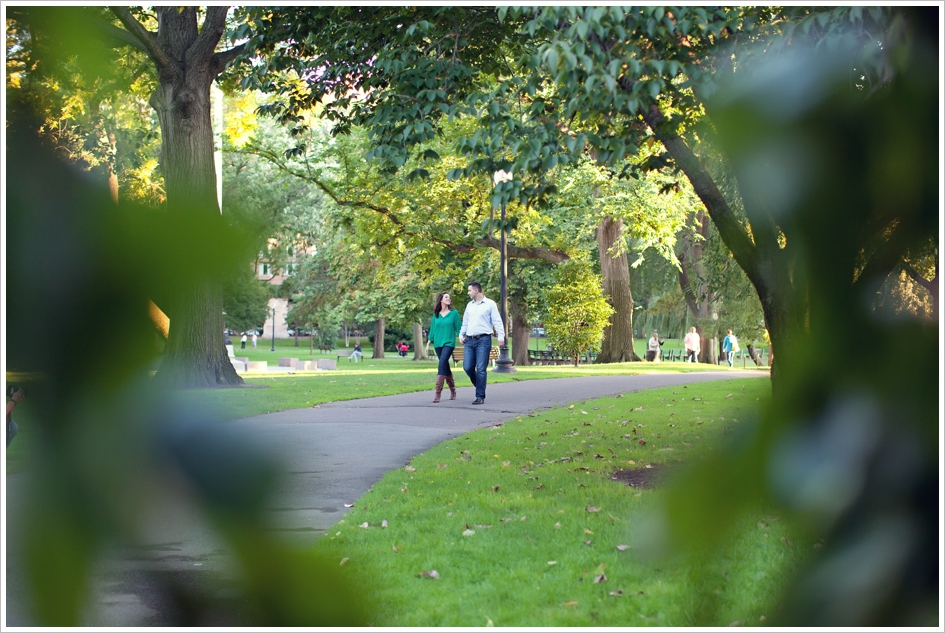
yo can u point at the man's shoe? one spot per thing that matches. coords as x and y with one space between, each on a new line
478 401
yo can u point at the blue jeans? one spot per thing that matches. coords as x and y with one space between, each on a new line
730 357
444 353
475 361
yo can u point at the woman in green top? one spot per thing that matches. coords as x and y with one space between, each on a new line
444 328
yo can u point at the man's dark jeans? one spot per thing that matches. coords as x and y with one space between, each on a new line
475 361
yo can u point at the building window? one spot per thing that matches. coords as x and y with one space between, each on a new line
290 269
265 269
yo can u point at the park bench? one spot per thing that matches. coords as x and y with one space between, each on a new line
458 354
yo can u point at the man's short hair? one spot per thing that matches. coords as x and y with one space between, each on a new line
476 285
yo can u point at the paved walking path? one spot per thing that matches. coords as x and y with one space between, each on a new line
331 455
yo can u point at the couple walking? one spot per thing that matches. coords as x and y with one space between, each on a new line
475 333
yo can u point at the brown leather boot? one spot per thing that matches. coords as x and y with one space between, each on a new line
439 388
452 386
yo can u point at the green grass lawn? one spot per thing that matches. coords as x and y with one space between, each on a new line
287 348
524 525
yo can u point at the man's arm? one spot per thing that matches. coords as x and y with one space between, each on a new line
463 329
497 323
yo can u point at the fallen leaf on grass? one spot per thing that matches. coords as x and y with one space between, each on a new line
787 541
736 622
557 525
495 489
623 548
586 531
384 523
588 543
523 518
552 562
599 579
616 593
539 487
398 547
441 465
483 527
639 409
506 464
364 525
430 574
468 532
591 509
349 505
343 561
570 604
410 469
631 462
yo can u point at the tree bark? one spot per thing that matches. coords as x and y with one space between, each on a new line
378 338
617 346
186 66
758 254
418 348
521 333
693 280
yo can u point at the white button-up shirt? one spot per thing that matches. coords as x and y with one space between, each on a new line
482 318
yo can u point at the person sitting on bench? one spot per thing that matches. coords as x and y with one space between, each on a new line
356 353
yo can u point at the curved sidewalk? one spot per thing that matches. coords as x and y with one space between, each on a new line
333 453
330 455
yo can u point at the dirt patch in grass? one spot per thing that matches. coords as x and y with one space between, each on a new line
648 476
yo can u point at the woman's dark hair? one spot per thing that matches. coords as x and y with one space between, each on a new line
439 303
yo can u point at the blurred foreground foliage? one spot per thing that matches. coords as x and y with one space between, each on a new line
848 448
113 445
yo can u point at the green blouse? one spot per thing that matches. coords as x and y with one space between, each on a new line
445 329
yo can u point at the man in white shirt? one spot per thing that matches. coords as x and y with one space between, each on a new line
653 348
479 320
693 345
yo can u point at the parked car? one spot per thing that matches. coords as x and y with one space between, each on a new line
301 332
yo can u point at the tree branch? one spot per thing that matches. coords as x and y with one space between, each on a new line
723 217
209 36
221 59
523 252
929 284
146 38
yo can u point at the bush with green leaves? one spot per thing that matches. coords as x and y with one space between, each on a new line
577 309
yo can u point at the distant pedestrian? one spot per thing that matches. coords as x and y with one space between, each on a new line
730 347
243 341
480 318
16 395
653 348
254 339
444 328
693 345
402 349
356 353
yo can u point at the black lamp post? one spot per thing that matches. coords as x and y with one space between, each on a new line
273 329
503 364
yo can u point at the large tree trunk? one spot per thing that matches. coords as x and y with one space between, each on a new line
186 67
378 338
693 280
521 333
617 346
759 253
418 348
